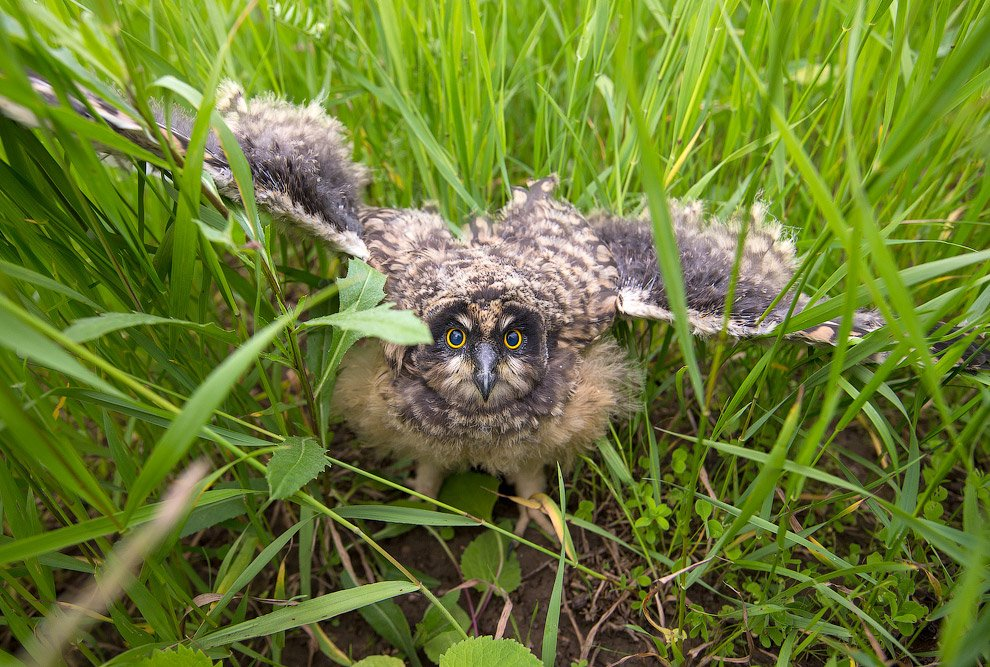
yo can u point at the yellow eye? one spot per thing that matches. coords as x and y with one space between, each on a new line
513 339
455 338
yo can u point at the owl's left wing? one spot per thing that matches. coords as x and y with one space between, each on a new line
708 249
299 156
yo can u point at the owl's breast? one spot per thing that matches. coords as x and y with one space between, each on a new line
402 416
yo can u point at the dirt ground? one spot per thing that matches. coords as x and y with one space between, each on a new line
592 621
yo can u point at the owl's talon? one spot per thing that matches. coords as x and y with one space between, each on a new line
428 479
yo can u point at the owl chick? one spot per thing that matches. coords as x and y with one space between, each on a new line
523 371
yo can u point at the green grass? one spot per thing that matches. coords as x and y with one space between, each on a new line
815 506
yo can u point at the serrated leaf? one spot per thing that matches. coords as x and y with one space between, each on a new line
362 287
489 651
488 559
360 290
438 645
180 656
379 661
297 462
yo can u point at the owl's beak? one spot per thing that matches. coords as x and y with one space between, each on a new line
484 365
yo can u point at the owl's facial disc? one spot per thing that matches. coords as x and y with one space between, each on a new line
486 355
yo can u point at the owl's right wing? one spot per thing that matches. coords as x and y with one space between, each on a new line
299 156
755 252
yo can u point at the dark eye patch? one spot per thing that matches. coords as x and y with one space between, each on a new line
525 321
443 320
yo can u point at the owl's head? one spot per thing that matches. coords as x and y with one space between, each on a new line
486 353
497 363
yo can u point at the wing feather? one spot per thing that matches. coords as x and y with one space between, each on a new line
299 156
709 250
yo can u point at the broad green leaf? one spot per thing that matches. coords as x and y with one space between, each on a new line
293 465
434 633
362 288
379 661
476 651
204 518
488 559
180 656
473 492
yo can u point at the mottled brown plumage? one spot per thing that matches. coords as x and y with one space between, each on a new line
523 371
539 270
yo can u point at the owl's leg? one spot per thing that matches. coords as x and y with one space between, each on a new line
429 477
528 483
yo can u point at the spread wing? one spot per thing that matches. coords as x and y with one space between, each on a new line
708 251
301 164
299 156
302 172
